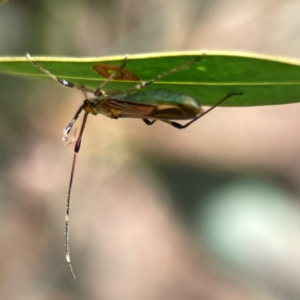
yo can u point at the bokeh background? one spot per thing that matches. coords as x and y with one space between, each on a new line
211 212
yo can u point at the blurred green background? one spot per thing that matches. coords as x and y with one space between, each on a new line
210 212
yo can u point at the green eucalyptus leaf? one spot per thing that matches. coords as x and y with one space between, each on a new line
263 80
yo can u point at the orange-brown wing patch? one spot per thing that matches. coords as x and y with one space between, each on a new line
105 71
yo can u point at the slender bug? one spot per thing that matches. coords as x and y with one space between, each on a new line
163 106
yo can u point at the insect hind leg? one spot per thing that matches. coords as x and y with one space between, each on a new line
61 81
147 122
180 126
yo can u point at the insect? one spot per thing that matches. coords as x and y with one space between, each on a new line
165 106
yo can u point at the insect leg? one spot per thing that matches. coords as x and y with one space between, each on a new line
61 81
99 92
146 83
67 130
147 122
180 126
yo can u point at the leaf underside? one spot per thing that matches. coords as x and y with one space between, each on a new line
262 80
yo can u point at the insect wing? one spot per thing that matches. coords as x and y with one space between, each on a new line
132 110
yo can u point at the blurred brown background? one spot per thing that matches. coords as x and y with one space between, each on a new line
211 212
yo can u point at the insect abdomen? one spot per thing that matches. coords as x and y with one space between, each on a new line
169 104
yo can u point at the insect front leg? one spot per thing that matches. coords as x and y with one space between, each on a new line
61 81
146 83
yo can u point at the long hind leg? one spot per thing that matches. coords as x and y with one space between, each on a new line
180 126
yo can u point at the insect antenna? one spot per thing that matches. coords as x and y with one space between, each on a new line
68 205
